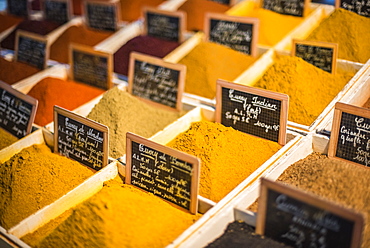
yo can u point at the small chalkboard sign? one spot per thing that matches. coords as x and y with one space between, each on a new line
59 11
350 134
320 54
360 7
237 32
31 49
17 111
255 111
163 171
300 219
225 2
102 15
166 25
80 139
156 81
297 8
19 7
91 67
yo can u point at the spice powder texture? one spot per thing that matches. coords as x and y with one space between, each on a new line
350 30
6 139
208 62
11 72
310 89
227 156
121 215
123 113
34 178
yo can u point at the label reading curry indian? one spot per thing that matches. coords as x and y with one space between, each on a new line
287 7
255 111
91 67
163 171
155 80
238 33
80 139
299 219
102 15
350 135
59 11
17 111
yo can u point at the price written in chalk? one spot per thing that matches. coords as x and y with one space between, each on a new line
167 173
251 110
320 54
360 7
299 219
18 7
350 135
80 139
17 111
59 11
101 15
155 80
238 33
166 25
287 7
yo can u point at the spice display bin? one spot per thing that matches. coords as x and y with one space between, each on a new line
257 70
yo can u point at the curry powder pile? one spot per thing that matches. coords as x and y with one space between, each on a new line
6 139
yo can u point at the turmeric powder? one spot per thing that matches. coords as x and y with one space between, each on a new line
227 156
6 139
120 215
310 89
350 30
34 178
208 62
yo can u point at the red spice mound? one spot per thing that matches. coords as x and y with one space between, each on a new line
12 72
7 21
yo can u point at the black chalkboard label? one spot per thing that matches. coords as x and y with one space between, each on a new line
299 219
17 111
238 33
252 110
59 11
360 7
320 54
31 49
102 15
350 135
18 7
166 25
163 171
287 7
153 79
91 67
80 139
225 2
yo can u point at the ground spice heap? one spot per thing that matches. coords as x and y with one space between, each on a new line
273 26
34 178
142 44
64 93
12 72
239 234
228 156
123 113
121 215
59 50
310 89
206 63
6 139
350 30
132 10
8 21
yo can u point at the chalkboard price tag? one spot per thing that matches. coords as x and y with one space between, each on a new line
59 11
238 33
320 54
360 7
350 134
80 139
91 67
19 7
31 49
156 81
300 219
287 7
255 111
17 111
163 171
166 25
225 2
102 15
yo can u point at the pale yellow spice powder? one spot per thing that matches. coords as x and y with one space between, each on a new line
227 156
